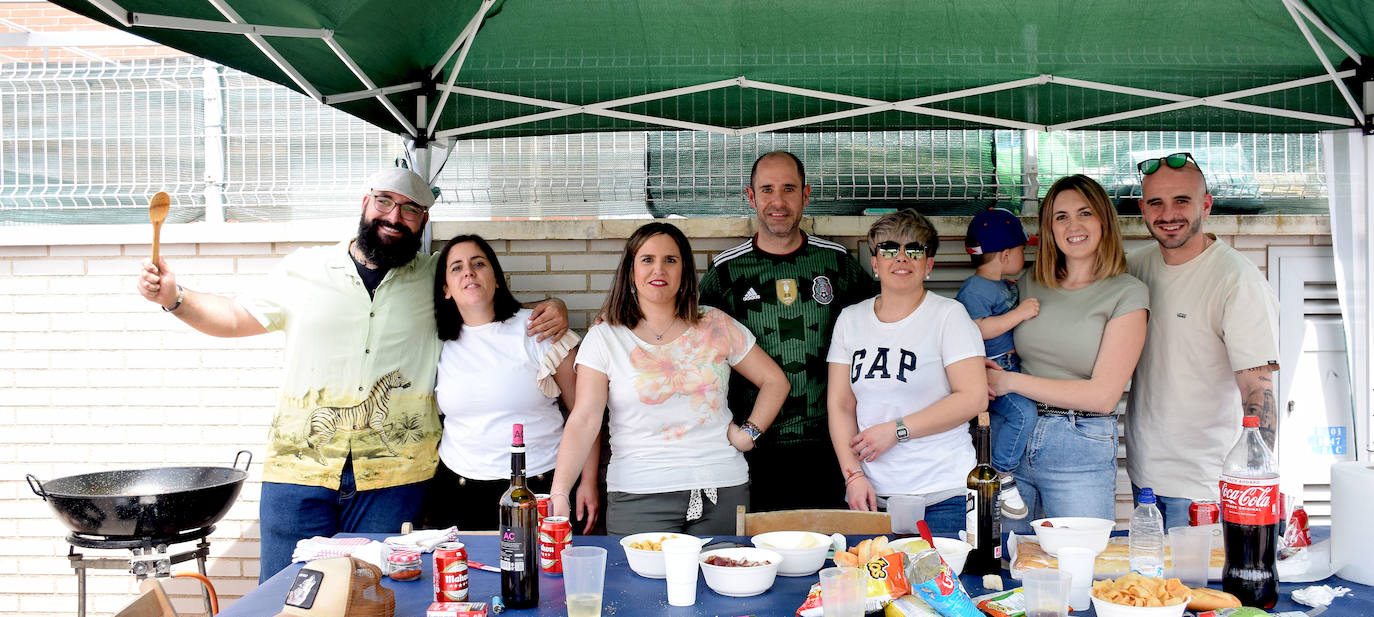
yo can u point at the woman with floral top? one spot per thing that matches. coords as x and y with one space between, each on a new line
663 363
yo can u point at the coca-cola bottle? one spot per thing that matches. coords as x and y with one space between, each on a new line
1249 520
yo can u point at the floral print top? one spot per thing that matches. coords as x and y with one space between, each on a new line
668 410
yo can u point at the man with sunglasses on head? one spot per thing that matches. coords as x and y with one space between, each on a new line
788 288
1211 348
356 430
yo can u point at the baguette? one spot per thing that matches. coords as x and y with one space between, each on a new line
1207 599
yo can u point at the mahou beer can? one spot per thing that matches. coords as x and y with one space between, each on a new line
1204 512
555 534
451 572
542 501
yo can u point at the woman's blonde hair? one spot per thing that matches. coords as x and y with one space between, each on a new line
1111 254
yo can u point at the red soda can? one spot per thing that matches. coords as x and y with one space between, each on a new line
555 534
451 572
541 500
1204 512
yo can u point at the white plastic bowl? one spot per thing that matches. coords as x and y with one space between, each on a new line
741 582
1089 533
954 552
648 564
1104 608
795 561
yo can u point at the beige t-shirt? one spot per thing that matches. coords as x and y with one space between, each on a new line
1062 341
1212 316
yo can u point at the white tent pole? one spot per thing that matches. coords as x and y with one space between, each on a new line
1321 25
922 100
1170 96
468 36
332 99
358 72
420 164
1326 62
150 20
116 12
453 48
271 52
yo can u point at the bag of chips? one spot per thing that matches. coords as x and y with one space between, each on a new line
933 581
886 575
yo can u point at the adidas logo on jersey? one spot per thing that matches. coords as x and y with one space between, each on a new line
751 295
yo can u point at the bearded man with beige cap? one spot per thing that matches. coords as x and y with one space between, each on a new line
356 429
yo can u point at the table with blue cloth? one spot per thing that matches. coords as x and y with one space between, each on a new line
628 594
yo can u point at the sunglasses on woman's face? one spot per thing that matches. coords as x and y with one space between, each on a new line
1174 161
890 248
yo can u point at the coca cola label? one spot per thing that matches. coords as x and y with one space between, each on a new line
1249 501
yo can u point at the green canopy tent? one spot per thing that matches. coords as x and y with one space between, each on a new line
437 71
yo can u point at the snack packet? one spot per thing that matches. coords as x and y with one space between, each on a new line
933 581
909 606
887 581
1002 603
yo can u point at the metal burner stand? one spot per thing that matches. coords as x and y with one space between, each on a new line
150 558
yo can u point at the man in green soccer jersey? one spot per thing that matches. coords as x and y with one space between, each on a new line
788 288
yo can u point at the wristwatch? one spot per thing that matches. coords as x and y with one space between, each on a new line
902 433
181 295
751 430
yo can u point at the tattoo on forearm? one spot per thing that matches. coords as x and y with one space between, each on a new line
1258 400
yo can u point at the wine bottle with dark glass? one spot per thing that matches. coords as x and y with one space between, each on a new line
519 527
984 516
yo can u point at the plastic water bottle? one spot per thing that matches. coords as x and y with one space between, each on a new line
1147 537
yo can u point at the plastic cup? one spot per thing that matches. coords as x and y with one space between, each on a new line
680 557
1078 562
584 577
842 592
1191 550
1047 593
905 511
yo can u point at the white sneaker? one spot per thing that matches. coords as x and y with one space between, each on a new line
1010 499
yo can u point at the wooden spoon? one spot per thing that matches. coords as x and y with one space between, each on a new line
157 213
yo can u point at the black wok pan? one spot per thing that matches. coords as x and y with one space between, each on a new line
144 503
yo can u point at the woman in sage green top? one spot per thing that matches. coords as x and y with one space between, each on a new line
1077 354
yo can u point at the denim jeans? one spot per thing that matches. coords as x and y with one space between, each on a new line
1174 509
293 512
947 518
1069 469
1012 417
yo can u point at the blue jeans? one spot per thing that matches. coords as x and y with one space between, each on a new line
1174 509
947 518
294 512
1012 417
1069 469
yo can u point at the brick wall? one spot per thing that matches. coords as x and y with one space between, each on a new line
92 377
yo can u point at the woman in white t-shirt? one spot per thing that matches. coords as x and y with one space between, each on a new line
1076 355
492 375
663 364
906 376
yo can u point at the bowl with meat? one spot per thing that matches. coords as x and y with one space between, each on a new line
1060 531
740 572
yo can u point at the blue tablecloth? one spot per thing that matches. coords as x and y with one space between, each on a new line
628 594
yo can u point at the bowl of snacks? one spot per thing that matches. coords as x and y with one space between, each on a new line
1134 595
803 552
1061 531
644 551
740 572
954 552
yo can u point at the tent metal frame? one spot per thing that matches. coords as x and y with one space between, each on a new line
423 130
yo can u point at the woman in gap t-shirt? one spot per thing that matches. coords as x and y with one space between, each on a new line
492 375
906 376
663 364
1076 355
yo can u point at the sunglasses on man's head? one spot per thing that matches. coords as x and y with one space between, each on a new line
1174 161
890 248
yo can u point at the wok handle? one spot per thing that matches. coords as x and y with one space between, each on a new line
36 486
239 456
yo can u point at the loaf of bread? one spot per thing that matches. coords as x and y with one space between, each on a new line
1208 599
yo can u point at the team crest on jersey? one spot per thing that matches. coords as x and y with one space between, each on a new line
822 290
787 291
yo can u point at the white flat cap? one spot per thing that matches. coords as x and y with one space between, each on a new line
402 182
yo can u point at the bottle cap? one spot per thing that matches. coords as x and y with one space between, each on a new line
1250 422
1147 495
517 435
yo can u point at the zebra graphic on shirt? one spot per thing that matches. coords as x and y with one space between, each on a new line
369 414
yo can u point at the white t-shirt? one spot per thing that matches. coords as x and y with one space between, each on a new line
1213 316
490 378
897 368
668 412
